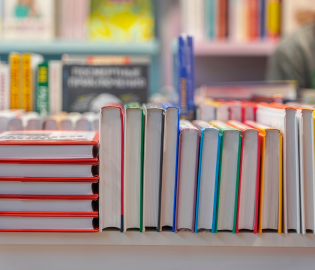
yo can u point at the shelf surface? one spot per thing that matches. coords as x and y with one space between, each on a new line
160 239
79 47
226 48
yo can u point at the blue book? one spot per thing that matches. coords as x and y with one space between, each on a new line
208 172
262 15
210 18
169 167
186 80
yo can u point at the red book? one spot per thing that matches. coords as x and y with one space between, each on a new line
222 19
249 111
112 152
253 20
250 158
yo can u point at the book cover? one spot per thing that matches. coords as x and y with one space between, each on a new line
28 20
273 15
136 105
4 87
55 86
123 21
15 82
222 128
27 82
42 91
89 87
186 82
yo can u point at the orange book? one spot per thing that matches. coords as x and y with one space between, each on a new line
222 19
270 217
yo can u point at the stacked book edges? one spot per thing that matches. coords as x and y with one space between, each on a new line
49 181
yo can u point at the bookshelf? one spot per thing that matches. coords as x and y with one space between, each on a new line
133 238
79 47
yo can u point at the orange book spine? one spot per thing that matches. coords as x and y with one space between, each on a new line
27 83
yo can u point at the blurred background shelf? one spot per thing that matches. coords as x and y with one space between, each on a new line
133 238
79 47
234 49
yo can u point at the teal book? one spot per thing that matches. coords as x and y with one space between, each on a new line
227 198
42 90
210 6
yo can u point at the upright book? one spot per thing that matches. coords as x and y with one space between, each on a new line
152 165
133 167
270 205
248 195
228 177
187 177
208 175
283 118
112 166
169 173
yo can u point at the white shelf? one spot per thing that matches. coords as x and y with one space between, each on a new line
80 47
234 49
133 238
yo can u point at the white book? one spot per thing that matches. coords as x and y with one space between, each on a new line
133 167
4 87
45 223
169 174
187 176
45 188
70 121
6 116
42 170
209 158
28 20
55 86
152 165
111 170
307 175
284 119
32 121
45 205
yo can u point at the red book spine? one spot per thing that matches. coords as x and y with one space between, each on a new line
222 19
253 19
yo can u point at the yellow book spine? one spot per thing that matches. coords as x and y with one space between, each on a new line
261 193
273 17
27 83
280 184
15 81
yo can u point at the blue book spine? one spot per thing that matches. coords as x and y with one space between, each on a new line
186 80
216 184
176 171
262 16
198 184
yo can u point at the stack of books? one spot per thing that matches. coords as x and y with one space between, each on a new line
49 181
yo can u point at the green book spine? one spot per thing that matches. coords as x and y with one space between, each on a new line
141 175
219 181
42 90
237 182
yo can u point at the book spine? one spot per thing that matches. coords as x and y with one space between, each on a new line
273 18
222 19
27 86
252 19
4 88
42 93
210 18
186 83
15 72
55 87
262 16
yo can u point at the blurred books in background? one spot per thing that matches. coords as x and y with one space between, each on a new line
108 20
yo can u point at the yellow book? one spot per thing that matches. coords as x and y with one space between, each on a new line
273 18
15 71
271 178
27 82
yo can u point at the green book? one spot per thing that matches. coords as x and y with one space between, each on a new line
133 173
227 199
42 90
